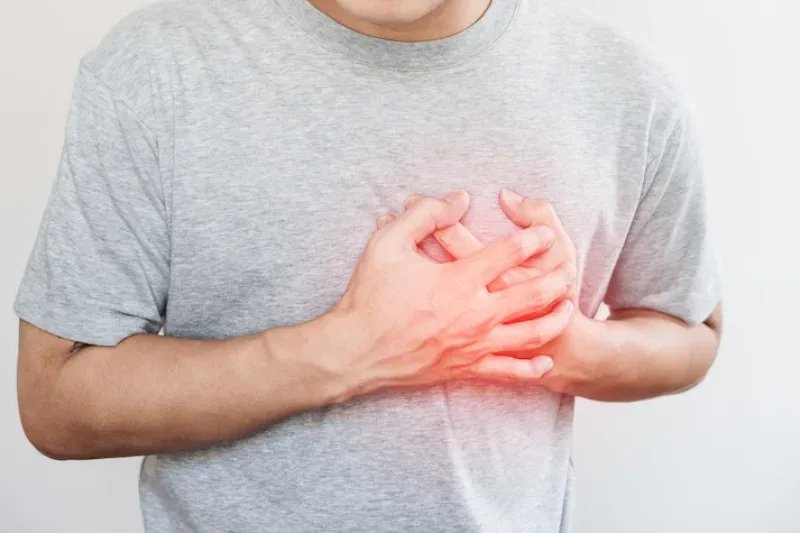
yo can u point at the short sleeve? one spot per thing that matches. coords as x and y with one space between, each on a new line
667 263
99 269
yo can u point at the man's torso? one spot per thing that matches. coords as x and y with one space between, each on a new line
276 157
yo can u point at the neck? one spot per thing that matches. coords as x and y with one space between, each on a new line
450 18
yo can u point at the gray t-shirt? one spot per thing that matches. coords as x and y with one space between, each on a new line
224 164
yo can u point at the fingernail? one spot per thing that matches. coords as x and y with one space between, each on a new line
455 197
511 198
411 199
382 221
545 234
542 364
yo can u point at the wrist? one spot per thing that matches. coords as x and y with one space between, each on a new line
320 350
596 348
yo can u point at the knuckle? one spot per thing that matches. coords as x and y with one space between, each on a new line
517 248
427 204
543 293
537 294
503 282
562 281
494 315
491 312
474 327
536 337
461 284
557 282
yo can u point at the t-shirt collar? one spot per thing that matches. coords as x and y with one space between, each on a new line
404 56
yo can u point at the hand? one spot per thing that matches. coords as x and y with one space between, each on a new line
411 321
524 212
568 349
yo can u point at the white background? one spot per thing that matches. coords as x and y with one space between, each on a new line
722 458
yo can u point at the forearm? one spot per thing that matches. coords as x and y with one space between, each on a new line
153 394
641 355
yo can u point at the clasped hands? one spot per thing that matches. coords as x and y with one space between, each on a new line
504 312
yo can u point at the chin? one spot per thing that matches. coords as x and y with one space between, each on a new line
390 12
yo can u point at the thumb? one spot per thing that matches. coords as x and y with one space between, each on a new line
428 215
525 212
384 221
506 368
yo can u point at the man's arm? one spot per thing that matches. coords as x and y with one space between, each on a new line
157 394
151 394
635 355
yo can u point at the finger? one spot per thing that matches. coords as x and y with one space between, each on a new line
519 274
531 268
385 220
526 212
411 200
458 241
428 215
504 368
535 295
530 334
504 254
548 261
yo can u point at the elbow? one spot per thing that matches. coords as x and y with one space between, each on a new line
49 433
705 355
706 362
54 417
699 374
56 453
41 438
694 383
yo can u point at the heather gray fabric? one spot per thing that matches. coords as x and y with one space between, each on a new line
223 168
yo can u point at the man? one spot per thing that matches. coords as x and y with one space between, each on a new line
224 166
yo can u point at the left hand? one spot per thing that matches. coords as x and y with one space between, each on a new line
570 352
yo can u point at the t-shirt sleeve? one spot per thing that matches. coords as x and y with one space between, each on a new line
667 263
99 269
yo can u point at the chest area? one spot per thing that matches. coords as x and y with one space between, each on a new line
275 195
335 154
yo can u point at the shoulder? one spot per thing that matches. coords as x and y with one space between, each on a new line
143 56
147 45
141 37
612 60
127 59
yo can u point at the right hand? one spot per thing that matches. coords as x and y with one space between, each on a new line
409 321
